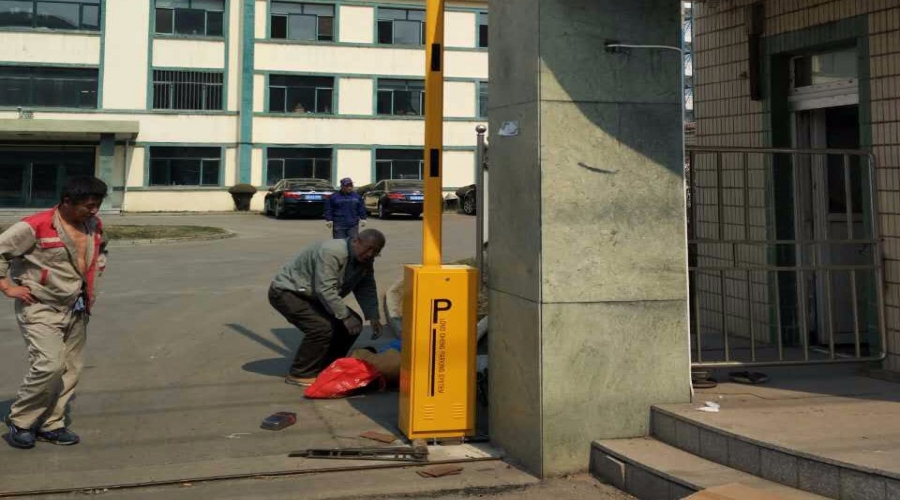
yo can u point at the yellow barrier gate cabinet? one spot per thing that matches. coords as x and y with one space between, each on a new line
437 374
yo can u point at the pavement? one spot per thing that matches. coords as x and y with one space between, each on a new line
185 357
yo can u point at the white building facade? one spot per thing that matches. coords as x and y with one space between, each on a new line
173 101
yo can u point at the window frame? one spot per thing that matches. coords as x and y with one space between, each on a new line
81 22
482 91
171 85
169 159
318 38
479 17
269 159
317 89
378 161
32 77
379 90
173 12
379 20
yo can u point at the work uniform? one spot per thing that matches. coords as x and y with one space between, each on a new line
37 253
308 292
344 211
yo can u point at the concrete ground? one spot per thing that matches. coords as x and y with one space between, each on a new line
185 358
384 485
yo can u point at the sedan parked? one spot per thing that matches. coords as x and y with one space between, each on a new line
468 200
394 196
301 197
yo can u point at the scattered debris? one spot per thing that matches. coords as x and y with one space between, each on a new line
278 421
441 471
237 435
381 437
710 407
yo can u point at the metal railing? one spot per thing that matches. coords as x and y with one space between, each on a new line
785 261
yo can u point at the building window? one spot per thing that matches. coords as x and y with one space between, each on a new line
184 166
401 97
483 29
48 87
826 68
401 26
294 163
482 99
398 164
60 15
302 21
191 90
190 17
301 94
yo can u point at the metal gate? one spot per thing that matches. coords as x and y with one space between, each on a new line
785 262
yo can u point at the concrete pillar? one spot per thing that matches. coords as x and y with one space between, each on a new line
587 258
106 165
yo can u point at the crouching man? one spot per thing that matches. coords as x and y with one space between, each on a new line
308 292
49 263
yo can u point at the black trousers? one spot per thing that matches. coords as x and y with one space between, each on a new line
325 337
343 232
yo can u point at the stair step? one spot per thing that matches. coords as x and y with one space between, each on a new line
713 437
652 470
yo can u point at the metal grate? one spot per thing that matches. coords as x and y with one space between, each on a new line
188 90
784 257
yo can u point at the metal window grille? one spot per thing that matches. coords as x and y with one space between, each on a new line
70 15
188 90
779 275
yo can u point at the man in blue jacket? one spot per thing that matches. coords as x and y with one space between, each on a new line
345 211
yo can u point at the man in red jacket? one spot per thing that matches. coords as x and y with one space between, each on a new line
49 263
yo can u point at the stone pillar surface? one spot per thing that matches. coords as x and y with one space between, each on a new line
587 259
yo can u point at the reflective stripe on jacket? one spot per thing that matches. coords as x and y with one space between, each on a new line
37 253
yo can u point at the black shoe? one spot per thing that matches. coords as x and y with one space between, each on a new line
19 438
61 436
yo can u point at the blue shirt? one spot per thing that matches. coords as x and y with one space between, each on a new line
345 210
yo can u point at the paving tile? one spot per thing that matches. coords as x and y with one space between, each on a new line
713 446
862 486
607 468
819 478
687 437
779 467
645 486
663 427
744 456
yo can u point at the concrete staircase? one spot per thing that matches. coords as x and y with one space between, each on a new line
791 440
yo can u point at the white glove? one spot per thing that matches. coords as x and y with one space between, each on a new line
362 223
329 224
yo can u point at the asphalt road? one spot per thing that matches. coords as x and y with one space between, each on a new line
185 355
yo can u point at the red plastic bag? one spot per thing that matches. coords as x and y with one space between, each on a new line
343 377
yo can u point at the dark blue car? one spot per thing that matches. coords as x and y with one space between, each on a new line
298 197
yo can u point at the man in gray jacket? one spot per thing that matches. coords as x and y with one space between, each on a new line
309 293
